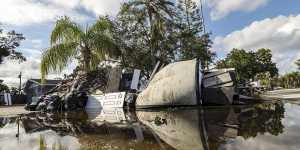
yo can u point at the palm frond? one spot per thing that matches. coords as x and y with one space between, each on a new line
65 31
57 57
105 43
96 58
135 3
103 24
101 38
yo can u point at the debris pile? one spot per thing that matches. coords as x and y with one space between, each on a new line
83 82
72 92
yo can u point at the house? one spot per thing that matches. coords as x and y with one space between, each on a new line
34 88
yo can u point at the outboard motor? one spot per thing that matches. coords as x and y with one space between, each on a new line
219 87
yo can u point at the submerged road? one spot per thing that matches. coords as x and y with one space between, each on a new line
287 94
12 111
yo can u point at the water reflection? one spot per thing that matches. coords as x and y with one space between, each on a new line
245 122
181 129
210 128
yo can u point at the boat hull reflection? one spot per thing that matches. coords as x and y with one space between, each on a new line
182 129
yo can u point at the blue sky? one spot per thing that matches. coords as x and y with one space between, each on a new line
248 24
238 20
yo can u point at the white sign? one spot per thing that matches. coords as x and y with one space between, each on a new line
111 115
110 100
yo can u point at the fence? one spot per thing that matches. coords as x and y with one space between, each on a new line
8 99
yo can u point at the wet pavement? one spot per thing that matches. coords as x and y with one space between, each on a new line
288 94
273 126
12 110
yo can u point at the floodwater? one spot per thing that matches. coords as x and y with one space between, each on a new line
262 126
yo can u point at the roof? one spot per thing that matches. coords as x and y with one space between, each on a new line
46 82
38 82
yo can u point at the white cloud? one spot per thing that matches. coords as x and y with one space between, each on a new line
65 3
8 139
102 7
281 34
28 12
221 8
10 69
36 43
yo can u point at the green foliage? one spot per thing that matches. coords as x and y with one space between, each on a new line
90 45
152 30
55 146
264 61
156 15
289 80
14 90
145 33
192 42
8 43
42 143
58 146
249 64
266 118
298 64
3 88
265 79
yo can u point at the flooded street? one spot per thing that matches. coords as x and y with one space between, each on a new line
261 126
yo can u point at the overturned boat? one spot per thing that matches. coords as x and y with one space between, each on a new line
182 83
186 84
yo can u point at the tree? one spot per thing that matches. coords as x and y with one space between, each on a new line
289 80
90 45
244 63
3 87
264 60
298 64
8 43
14 90
156 12
145 34
193 42
249 64
156 30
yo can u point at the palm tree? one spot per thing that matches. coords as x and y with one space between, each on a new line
154 9
91 45
156 13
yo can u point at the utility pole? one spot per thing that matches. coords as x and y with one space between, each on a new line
20 85
204 29
202 16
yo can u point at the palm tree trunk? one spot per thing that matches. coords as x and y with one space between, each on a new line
86 59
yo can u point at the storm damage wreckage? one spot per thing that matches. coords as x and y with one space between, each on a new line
186 84
178 84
